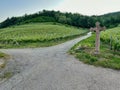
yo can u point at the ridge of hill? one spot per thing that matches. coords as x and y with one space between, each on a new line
74 19
38 35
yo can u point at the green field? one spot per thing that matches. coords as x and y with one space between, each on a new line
37 35
108 58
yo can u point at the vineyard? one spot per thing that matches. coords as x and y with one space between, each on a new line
109 56
112 37
36 34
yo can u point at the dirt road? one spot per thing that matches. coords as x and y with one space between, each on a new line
52 68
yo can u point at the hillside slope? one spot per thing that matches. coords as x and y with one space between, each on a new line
35 35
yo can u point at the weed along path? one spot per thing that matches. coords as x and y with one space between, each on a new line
52 68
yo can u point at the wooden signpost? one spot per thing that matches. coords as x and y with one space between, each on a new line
97 29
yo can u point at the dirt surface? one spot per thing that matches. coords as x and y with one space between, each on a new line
52 68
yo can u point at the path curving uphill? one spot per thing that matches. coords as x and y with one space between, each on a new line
52 68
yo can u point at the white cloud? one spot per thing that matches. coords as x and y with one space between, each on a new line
89 7
86 7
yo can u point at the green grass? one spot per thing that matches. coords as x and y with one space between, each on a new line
6 75
84 50
37 35
3 55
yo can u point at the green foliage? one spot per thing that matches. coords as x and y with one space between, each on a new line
84 50
112 37
112 63
109 20
24 35
39 19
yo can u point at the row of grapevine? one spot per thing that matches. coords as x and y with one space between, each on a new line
37 33
112 38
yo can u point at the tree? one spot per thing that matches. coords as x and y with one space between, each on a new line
62 19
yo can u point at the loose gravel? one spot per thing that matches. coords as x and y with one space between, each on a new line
52 68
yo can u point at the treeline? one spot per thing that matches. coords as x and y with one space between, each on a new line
78 20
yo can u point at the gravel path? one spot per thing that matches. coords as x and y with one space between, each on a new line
52 68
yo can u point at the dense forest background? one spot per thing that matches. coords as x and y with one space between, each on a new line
75 19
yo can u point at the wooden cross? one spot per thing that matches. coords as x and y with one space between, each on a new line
97 29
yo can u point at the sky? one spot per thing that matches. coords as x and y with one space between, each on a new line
9 8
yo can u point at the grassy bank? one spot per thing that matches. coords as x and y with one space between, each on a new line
107 58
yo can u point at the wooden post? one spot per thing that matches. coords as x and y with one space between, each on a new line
97 29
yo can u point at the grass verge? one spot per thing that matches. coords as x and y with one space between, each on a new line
84 51
3 62
3 59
